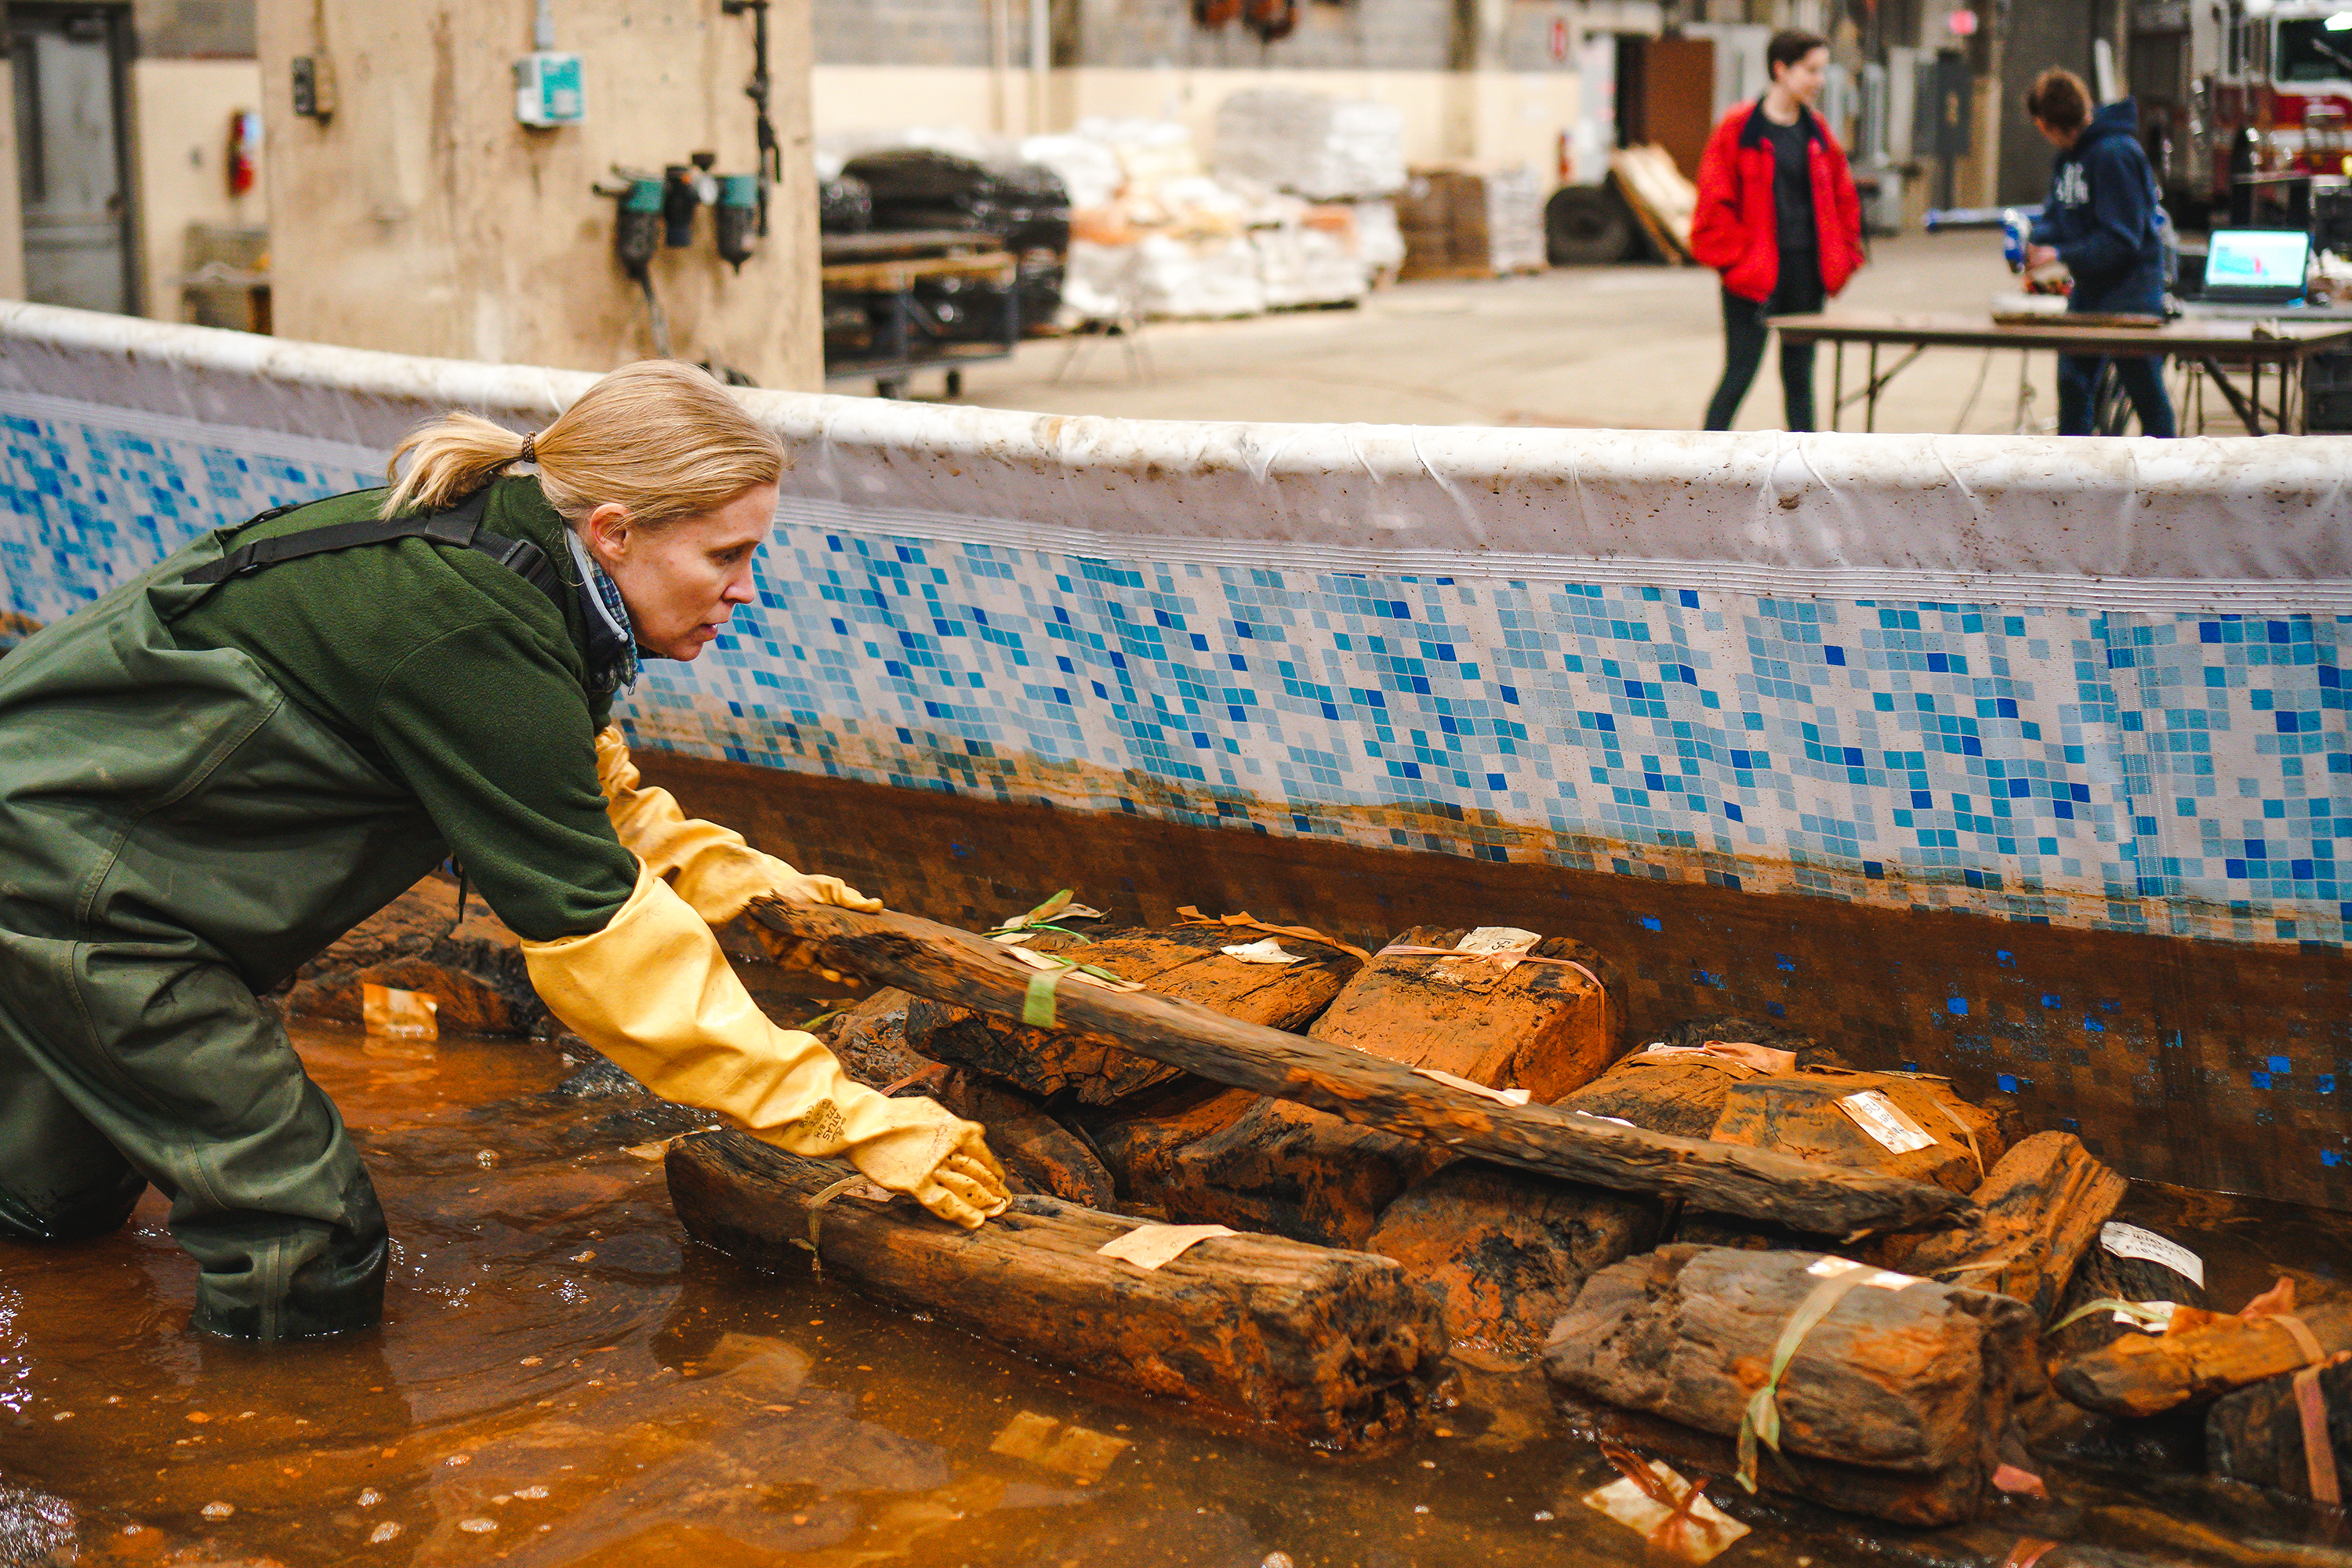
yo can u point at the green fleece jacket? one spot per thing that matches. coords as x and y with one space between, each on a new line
457 677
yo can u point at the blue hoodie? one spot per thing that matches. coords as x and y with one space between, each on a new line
2101 216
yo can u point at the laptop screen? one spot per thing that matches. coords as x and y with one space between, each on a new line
2257 258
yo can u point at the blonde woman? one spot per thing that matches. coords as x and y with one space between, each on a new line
212 773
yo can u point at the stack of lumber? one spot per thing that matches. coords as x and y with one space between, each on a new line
1443 214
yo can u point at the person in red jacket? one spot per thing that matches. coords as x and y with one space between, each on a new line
1778 217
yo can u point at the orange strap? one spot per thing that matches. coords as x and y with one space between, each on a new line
2305 1340
2318 1448
2029 1549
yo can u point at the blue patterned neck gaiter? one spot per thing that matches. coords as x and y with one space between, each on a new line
612 639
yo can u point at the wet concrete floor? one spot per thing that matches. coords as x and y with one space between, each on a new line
562 1378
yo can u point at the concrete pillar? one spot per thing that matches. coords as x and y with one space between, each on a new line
420 216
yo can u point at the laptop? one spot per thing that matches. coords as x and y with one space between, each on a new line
2256 266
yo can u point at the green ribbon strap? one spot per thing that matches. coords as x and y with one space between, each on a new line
1761 1421
2137 1312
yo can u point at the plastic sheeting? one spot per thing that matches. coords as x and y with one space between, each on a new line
2087 681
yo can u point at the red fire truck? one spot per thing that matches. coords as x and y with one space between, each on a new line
2229 89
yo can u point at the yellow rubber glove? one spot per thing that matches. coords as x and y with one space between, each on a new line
711 867
653 991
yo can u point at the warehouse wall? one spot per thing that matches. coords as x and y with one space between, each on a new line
181 109
421 218
907 62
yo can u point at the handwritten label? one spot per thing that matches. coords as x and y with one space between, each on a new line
1885 1121
2130 1241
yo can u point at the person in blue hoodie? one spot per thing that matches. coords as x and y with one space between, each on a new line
2101 221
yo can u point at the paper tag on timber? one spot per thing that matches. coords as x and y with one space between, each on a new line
1499 1096
1711 1531
1497 939
1494 942
1883 1278
1149 1245
1266 952
1885 1121
2130 1241
399 1015
2158 1319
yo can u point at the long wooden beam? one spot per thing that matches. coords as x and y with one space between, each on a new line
959 968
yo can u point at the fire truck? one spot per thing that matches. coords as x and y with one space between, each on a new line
2232 89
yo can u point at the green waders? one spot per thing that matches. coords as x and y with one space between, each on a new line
176 836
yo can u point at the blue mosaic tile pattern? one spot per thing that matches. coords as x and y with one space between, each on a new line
2161 771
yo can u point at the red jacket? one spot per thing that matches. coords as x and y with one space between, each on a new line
1736 228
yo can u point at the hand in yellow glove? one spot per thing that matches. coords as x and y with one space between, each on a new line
653 991
711 867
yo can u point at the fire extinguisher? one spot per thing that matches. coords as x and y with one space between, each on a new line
244 150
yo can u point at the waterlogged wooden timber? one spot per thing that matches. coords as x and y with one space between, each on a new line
2140 1375
2036 1214
1336 1350
2106 1274
1043 1155
1805 1114
1548 1023
2258 1435
1903 1376
1506 1251
1677 1080
956 966
1293 1170
1188 962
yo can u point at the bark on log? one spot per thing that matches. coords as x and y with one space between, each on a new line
1335 1350
2140 1375
2257 1433
2037 1212
870 1038
1799 1114
1916 1381
1541 1026
1186 961
1505 1252
957 967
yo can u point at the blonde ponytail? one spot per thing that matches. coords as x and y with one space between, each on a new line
660 439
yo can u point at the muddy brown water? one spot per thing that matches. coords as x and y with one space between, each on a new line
564 1378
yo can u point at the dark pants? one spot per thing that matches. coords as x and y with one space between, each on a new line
2143 382
2139 293
1744 336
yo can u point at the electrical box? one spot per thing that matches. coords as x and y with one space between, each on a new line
548 89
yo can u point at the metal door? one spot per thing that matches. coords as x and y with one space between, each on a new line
68 64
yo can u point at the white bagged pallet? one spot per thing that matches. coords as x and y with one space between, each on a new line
1328 149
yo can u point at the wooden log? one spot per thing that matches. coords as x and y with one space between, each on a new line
1289 1170
1542 1027
2256 1435
870 1038
2108 1275
1937 1498
1802 1114
1041 1155
1186 961
1335 1350
1505 1252
1916 1380
957 967
1663 1086
1140 1150
2036 1214
2140 1375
